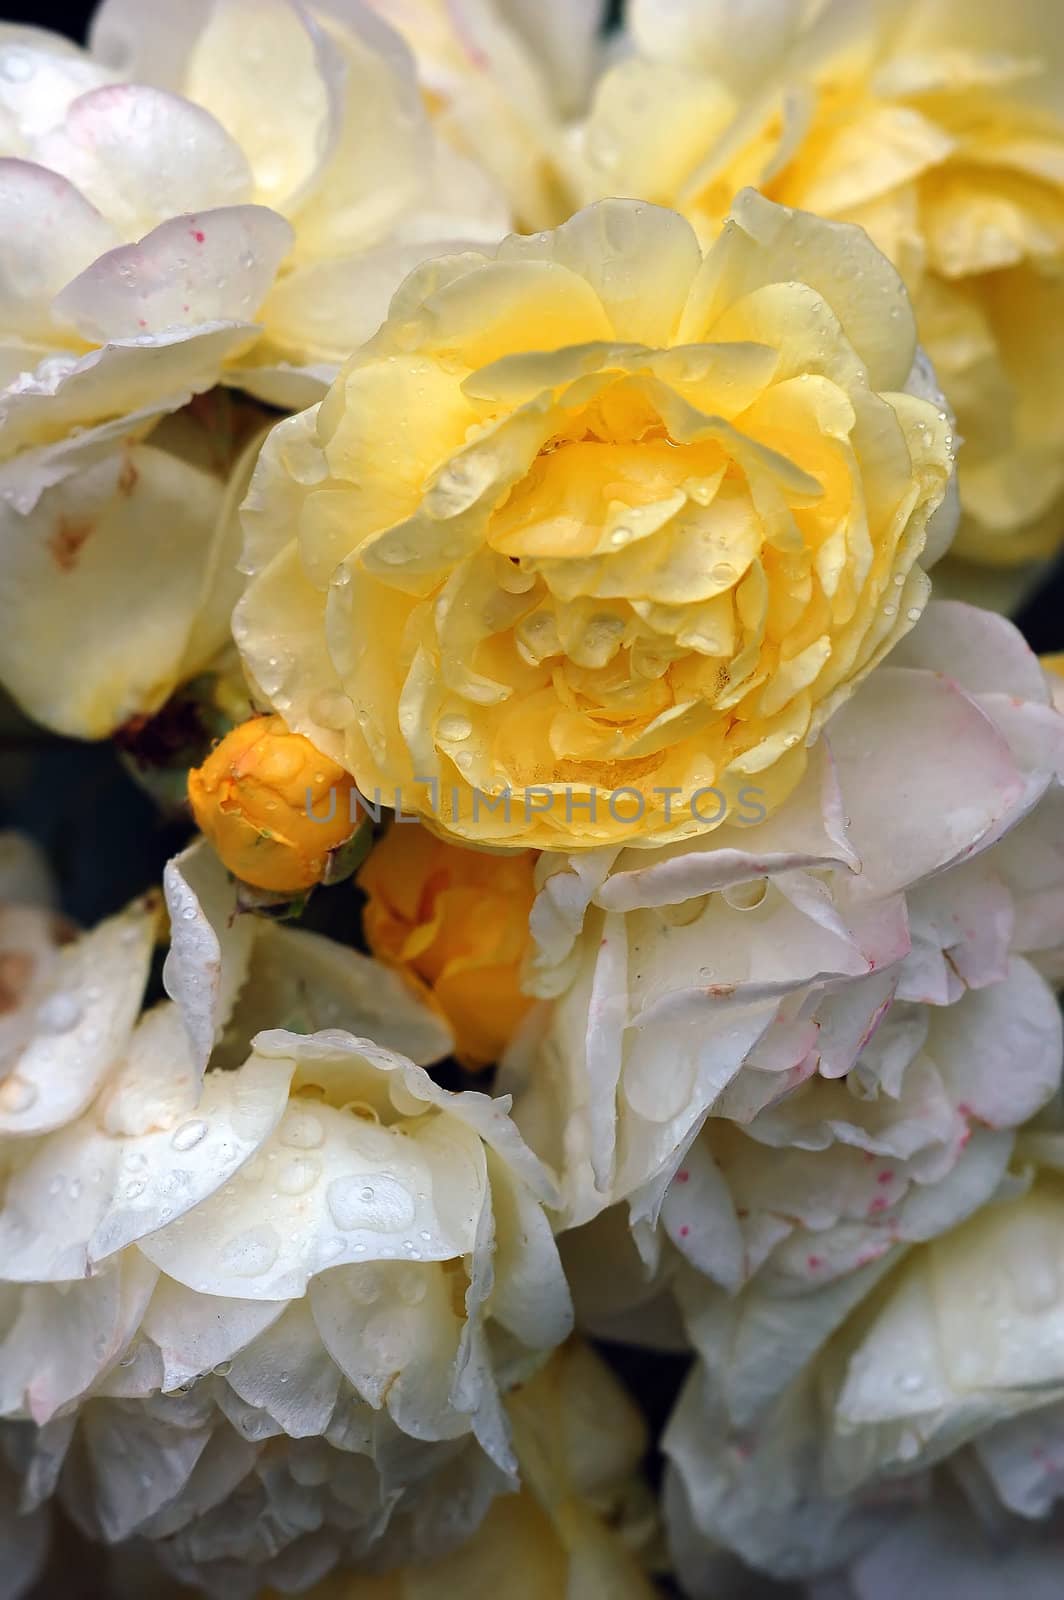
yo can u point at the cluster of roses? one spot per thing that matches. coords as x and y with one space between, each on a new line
645 504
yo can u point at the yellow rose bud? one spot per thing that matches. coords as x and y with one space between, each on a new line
457 919
596 526
272 805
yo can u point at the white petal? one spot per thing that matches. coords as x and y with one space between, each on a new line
907 827
38 82
110 394
84 1023
203 267
267 72
101 587
52 233
193 1335
141 155
65 1336
301 981
210 945
85 1194
330 1188
287 1373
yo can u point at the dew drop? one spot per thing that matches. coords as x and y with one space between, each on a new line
189 1135
59 1013
301 1130
16 66
333 709
252 1253
298 1175
455 725
381 1204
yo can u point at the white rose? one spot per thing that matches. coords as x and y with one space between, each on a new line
275 1305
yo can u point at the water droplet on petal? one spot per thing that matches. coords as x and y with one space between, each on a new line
298 1175
455 725
301 1130
59 1013
189 1135
252 1253
382 1204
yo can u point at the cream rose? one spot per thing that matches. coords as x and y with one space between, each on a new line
505 81
260 1316
937 127
222 191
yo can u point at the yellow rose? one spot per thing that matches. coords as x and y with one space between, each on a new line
591 514
458 920
938 127
272 806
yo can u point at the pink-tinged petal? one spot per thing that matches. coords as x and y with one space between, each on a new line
211 266
807 831
913 813
1035 734
969 915
849 1019
142 155
37 85
50 234
1000 1049
983 652
699 1218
